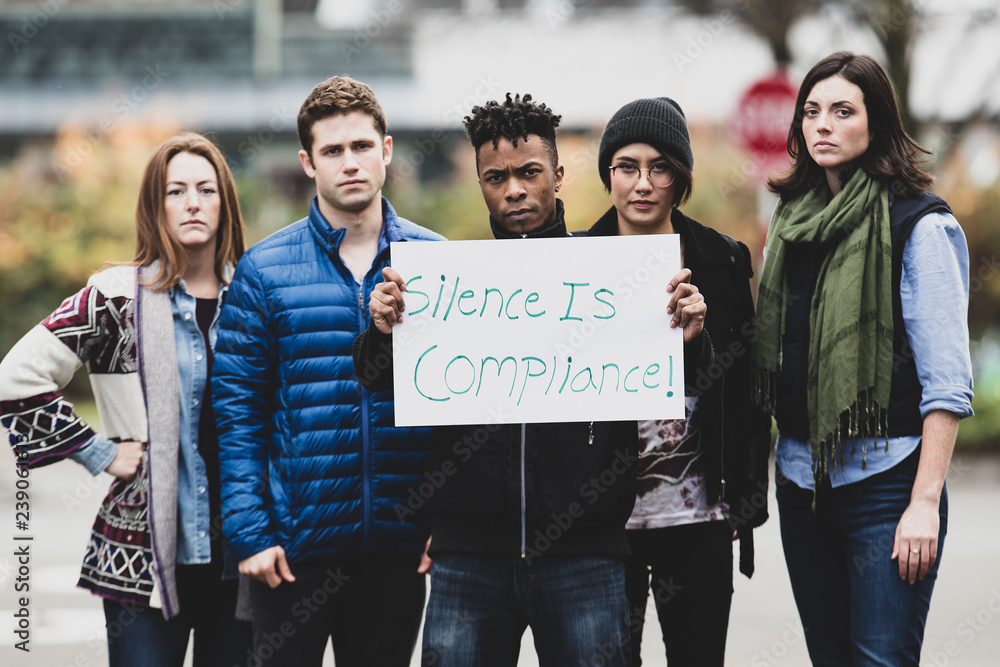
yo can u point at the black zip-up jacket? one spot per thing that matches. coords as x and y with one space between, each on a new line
735 452
528 490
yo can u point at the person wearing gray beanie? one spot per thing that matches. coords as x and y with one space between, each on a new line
687 513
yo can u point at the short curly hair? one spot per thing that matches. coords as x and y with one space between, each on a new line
515 119
335 96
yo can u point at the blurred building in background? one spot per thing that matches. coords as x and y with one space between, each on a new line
240 68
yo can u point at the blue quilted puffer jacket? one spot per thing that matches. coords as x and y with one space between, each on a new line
310 460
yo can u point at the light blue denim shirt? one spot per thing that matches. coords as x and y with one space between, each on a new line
935 262
193 520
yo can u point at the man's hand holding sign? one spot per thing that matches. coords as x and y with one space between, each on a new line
686 304
586 329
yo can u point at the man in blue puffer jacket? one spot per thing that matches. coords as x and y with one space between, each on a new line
311 463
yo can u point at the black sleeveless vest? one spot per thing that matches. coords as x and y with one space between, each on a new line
804 261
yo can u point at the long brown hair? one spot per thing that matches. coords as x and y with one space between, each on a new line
153 238
892 155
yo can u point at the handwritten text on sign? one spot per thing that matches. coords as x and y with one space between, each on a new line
537 330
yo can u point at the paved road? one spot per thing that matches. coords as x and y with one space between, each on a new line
963 628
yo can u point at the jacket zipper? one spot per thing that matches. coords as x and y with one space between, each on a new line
722 439
365 431
524 503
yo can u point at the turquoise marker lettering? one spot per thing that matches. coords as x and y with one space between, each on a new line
607 303
569 366
452 300
670 379
625 384
650 372
486 298
589 382
569 306
604 372
553 375
506 310
532 298
416 372
447 370
500 365
528 374
437 303
411 292
467 294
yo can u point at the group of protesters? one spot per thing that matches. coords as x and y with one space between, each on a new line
246 405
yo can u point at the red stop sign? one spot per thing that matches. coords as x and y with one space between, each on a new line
763 117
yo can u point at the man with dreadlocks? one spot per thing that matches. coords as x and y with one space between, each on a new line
528 525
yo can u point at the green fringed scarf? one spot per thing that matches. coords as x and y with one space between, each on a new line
850 317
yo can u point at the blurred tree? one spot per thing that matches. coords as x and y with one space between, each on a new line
770 19
893 22
63 214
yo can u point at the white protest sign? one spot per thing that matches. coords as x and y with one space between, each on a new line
537 330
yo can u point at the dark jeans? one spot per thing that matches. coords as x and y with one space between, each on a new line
140 636
480 605
855 609
692 583
370 606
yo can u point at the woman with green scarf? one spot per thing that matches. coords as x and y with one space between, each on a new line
862 355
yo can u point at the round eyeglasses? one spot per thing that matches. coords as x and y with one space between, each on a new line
628 174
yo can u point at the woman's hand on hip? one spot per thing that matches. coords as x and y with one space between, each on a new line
126 461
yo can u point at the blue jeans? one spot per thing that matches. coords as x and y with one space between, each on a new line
855 609
480 605
140 635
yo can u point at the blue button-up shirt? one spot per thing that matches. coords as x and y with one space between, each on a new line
935 265
193 516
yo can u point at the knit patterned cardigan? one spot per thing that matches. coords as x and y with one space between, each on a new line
123 332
